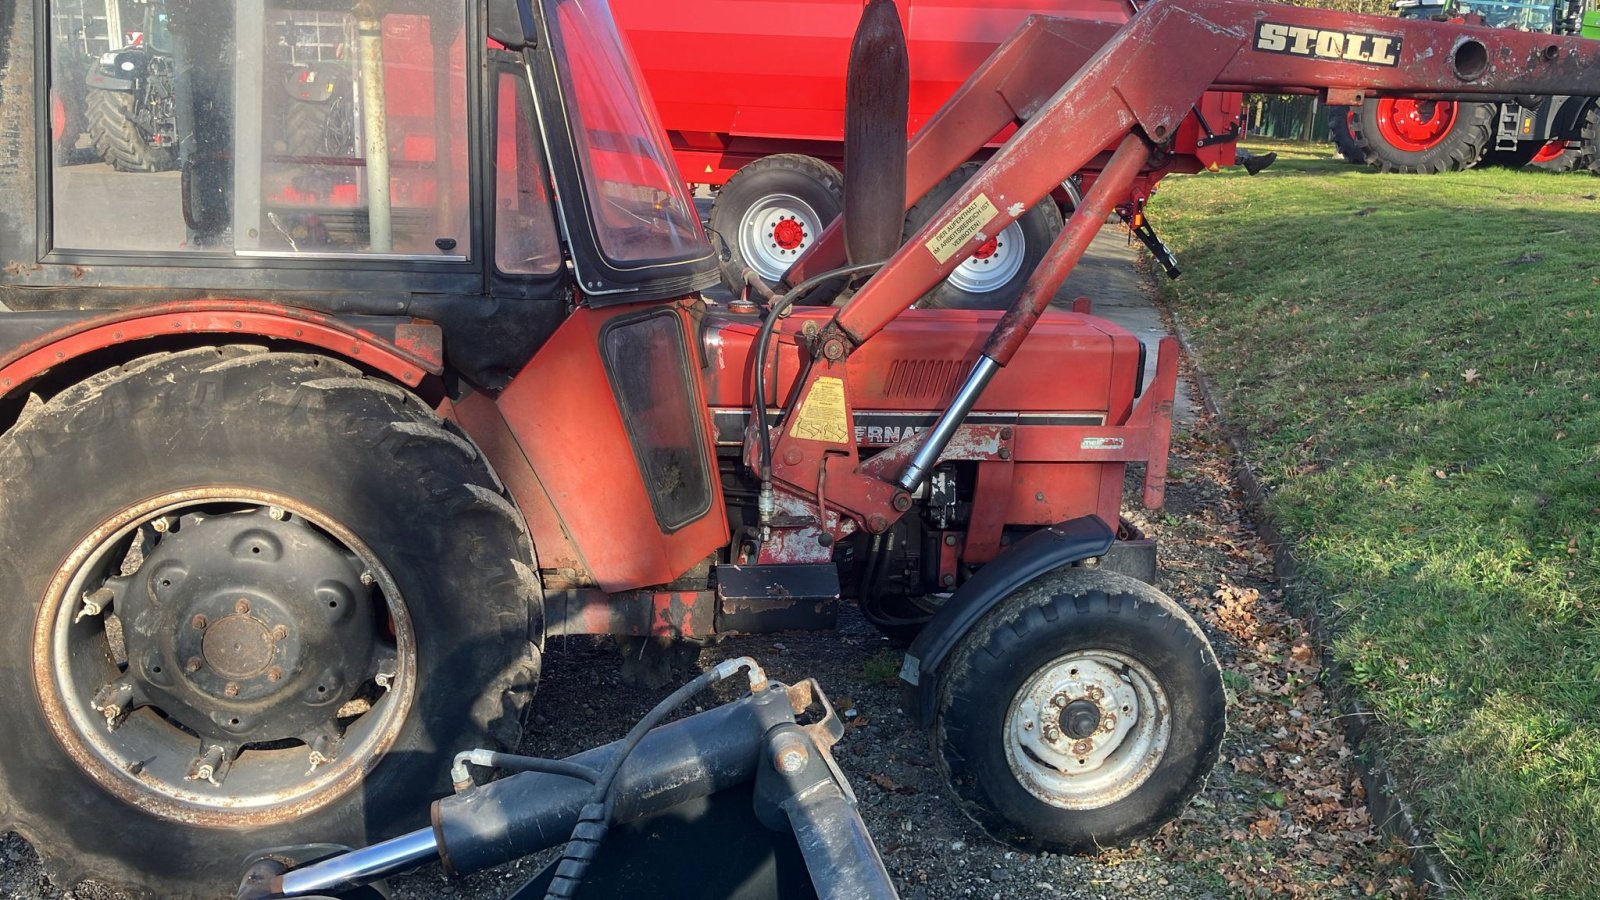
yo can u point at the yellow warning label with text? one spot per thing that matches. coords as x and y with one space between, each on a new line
961 229
823 416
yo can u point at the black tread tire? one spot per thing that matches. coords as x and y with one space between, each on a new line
368 453
1589 145
1065 610
117 139
1040 226
1469 138
1568 160
810 179
305 125
1343 140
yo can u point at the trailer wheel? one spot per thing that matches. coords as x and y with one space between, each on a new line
1085 711
250 599
1339 128
994 275
118 139
1423 137
770 211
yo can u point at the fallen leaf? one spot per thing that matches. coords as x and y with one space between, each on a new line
1470 376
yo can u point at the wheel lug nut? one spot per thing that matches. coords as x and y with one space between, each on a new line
193 665
280 633
1058 701
1051 732
274 674
199 623
232 690
242 606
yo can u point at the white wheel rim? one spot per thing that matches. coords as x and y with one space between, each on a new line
1064 763
767 233
983 276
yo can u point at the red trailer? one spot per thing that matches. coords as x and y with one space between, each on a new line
751 96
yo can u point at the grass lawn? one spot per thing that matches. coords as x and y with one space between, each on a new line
1415 364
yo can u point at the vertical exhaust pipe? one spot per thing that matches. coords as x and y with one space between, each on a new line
877 99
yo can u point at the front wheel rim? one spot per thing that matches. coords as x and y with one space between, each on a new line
180 766
775 231
1087 729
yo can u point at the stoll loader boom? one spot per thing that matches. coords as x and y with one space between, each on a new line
298 476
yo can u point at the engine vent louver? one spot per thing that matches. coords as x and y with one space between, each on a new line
934 380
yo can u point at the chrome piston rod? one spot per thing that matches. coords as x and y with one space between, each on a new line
362 866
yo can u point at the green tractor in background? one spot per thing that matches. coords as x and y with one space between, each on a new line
1425 137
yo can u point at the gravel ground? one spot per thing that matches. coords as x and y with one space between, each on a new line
1281 815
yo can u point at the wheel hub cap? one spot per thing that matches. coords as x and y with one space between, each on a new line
247 628
1087 729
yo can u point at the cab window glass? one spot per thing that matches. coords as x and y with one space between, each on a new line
260 128
525 241
641 209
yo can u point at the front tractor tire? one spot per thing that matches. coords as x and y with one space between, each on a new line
118 138
1423 137
1085 711
251 599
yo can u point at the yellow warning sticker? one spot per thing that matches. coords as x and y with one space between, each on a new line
961 229
822 416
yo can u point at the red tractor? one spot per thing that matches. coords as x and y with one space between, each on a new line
762 118
299 475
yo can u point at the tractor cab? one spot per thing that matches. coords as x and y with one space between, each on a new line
311 145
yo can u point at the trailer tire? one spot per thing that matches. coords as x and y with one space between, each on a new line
770 211
118 139
993 276
200 456
1343 141
1424 137
1086 646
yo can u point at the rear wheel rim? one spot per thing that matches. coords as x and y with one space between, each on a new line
774 231
1415 125
152 758
993 265
1086 729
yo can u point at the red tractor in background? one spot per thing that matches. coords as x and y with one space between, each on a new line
289 511
763 118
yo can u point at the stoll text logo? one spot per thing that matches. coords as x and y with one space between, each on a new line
1325 43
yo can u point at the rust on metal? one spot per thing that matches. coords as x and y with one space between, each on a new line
88 747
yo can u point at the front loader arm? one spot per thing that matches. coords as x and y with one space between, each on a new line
1130 95
1152 71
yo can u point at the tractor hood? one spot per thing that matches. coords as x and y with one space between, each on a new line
632 229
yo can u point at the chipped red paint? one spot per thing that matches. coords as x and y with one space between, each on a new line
242 317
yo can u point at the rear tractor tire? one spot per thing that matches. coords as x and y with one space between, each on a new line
1589 144
250 599
117 137
1084 711
1423 137
770 212
994 275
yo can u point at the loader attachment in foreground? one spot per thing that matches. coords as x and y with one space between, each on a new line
753 778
